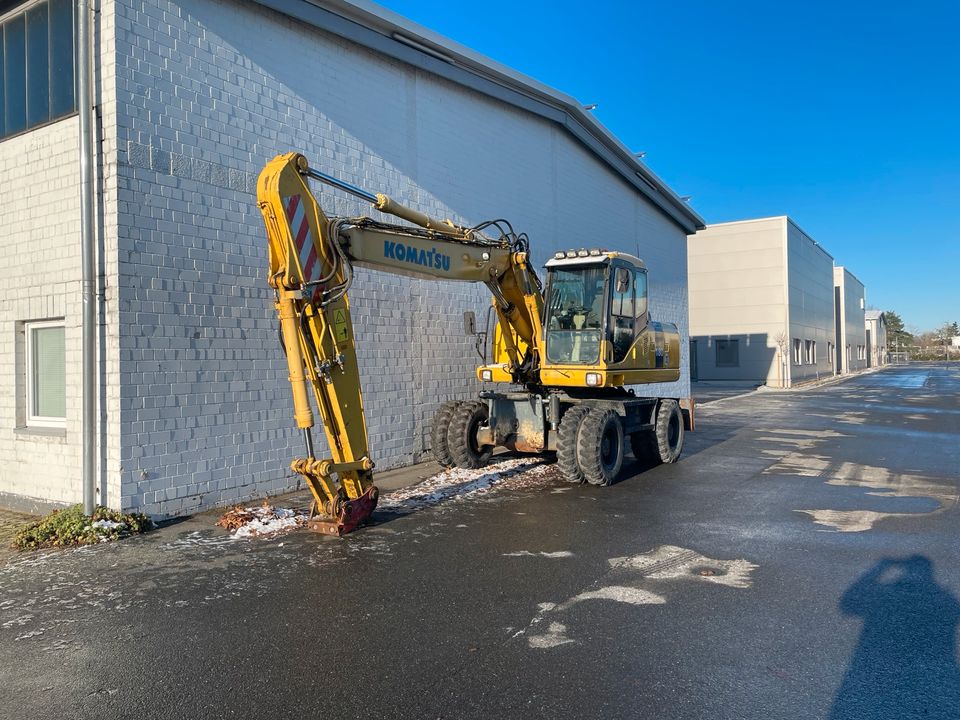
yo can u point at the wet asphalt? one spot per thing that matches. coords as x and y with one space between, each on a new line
800 561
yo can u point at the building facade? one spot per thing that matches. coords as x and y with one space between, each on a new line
851 333
193 404
876 337
761 303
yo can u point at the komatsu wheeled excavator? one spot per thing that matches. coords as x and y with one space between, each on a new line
565 355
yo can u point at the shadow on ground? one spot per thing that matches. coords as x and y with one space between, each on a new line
905 663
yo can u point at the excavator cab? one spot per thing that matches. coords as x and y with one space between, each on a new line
596 307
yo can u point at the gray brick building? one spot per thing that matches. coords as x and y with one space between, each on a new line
191 98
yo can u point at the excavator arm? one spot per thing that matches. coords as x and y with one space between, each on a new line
311 261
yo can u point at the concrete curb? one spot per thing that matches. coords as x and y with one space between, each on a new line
708 403
812 385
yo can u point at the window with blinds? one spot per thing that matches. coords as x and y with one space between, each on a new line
46 374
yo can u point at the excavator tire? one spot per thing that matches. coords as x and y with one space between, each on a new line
567 444
600 446
669 432
644 445
438 433
462 436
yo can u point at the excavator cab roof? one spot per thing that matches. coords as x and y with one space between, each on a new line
583 256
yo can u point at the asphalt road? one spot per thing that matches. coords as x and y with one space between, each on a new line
800 561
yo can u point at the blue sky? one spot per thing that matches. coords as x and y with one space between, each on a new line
843 115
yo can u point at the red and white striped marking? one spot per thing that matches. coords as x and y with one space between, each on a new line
300 227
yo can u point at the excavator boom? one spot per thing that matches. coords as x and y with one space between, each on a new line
574 357
311 260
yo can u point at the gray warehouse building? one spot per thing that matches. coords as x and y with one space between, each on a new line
192 403
851 333
876 337
761 303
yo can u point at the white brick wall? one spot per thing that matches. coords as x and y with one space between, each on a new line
206 93
40 214
40 256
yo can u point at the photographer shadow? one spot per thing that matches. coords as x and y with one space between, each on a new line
905 665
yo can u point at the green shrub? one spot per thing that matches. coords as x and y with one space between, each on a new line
71 527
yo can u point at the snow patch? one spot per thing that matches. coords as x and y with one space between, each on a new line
850 520
669 561
877 481
618 593
458 484
527 553
263 521
633 575
271 522
555 635
107 524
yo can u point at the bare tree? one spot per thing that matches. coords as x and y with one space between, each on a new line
781 340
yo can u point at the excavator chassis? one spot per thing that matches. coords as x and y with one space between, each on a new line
527 422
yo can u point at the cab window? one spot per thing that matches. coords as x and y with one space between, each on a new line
623 311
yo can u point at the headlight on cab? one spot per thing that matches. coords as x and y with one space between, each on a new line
486 375
593 379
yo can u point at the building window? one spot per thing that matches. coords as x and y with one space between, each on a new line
46 374
830 353
797 357
810 349
861 352
728 353
37 78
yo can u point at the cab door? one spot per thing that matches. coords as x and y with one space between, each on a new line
628 309
622 311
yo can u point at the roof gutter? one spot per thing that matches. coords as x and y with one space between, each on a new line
389 34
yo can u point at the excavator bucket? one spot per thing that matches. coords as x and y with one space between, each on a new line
347 516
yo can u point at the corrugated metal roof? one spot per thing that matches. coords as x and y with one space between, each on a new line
392 35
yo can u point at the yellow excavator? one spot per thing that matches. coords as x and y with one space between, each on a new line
565 354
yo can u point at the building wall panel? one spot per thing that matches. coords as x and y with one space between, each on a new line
738 291
810 280
207 92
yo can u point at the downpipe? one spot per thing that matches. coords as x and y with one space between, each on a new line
88 256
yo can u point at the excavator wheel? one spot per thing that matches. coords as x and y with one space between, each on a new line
668 436
600 446
462 435
567 444
644 445
438 433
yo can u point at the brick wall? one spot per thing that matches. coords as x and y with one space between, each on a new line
40 214
40 256
207 91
